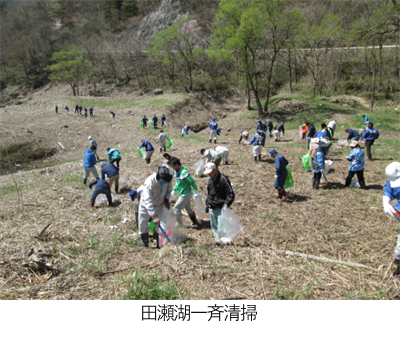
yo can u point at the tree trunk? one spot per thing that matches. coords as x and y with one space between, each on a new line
257 98
380 67
248 95
290 72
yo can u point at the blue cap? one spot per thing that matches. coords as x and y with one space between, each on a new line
108 148
213 119
102 163
258 121
133 195
272 151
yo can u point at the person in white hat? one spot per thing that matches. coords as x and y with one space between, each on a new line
93 143
357 165
391 191
220 195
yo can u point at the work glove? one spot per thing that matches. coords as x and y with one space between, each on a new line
224 207
166 203
206 209
156 220
275 177
387 208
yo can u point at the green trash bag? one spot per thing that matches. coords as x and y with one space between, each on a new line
141 124
152 227
289 179
151 122
140 151
170 143
307 162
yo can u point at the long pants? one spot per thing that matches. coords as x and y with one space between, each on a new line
112 179
277 135
148 156
356 138
316 180
360 176
224 155
145 124
183 202
214 217
270 130
213 133
92 171
368 144
155 125
105 191
397 250
280 181
257 150
303 135
115 161
162 123
217 160
144 218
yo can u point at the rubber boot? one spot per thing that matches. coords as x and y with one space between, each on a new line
210 140
397 265
147 160
194 220
362 185
116 188
165 149
259 157
255 159
84 181
279 195
155 237
145 239
284 195
160 149
215 141
313 183
91 204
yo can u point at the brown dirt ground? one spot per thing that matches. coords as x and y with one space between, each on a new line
81 244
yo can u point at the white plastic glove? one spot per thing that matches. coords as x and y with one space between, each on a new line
224 207
387 208
275 177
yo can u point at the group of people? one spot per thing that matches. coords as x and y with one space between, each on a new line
154 121
77 109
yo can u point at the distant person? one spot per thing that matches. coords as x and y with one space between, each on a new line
76 109
113 156
219 130
89 163
332 126
144 121
357 165
258 142
277 131
112 172
261 126
101 187
149 149
304 131
185 130
270 127
280 173
352 135
211 156
155 120
327 131
56 109
66 110
311 133
112 114
80 109
244 135
85 112
224 153
370 135
93 143
317 165
91 111
163 119
366 119
162 139
213 130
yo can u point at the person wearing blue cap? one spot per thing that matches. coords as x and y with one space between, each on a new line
155 120
112 173
213 130
370 135
261 126
144 121
89 163
149 150
163 118
113 156
258 142
280 174
317 163
102 186
270 127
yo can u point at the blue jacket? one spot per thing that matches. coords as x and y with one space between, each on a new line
144 119
321 134
163 117
148 146
100 184
367 120
155 119
317 160
258 140
110 170
356 157
213 126
352 134
392 193
280 163
90 159
261 127
270 125
370 134
311 131
185 129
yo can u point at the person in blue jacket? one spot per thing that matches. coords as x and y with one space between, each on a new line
149 149
213 130
317 165
163 120
185 130
356 157
370 135
113 156
89 163
155 120
270 127
112 173
258 142
352 135
280 174
391 191
366 119
261 126
144 120
102 186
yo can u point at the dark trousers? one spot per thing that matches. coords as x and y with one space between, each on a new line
316 180
360 176
115 161
368 144
162 123
280 181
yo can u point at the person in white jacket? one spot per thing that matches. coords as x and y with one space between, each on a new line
162 139
223 152
155 195
332 125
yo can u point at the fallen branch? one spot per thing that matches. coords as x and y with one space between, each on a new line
46 227
318 258
127 268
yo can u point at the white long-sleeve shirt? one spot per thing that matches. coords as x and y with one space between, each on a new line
152 197
332 125
162 139
209 154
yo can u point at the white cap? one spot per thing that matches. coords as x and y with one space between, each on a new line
393 173
90 137
209 168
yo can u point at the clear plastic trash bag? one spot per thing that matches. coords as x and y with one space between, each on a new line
171 230
228 226
101 199
199 166
142 152
190 133
342 143
200 203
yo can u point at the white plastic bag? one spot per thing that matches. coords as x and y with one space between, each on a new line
342 143
168 224
247 142
200 203
190 133
101 199
199 166
328 164
228 226
354 183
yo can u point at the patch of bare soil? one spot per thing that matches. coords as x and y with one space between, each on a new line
352 101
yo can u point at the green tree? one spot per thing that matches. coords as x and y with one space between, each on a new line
69 67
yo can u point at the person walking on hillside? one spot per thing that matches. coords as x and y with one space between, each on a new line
220 196
304 131
76 109
332 127
270 127
149 150
85 112
261 126
277 132
244 135
280 173
185 130
213 130
101 187
56 109
258 142
91 111
89 163
211 156
155 120
391 191
163 119
66 110
112 114
311 130
317 165
162 139
356 157
352 135
144 121
154 199
112 173
184 186
93 143
113 156
370 135
80 109
224 153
